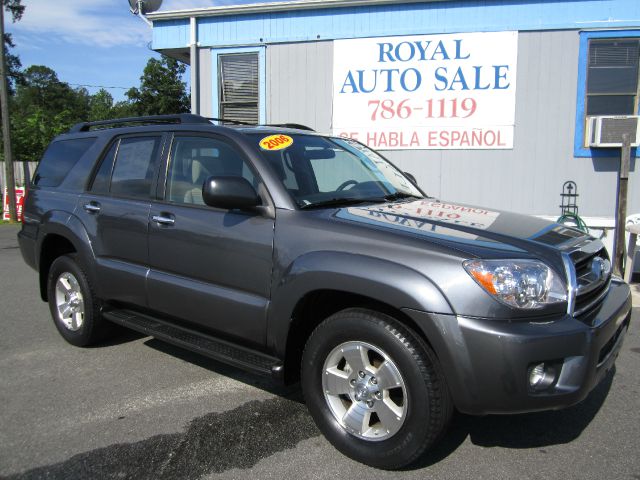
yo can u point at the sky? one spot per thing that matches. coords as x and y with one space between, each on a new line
91 42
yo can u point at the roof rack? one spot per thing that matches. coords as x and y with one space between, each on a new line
234 122
297 126
178 118
150 119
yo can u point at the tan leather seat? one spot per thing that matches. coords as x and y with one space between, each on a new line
199 174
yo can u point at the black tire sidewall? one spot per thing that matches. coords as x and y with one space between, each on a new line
86 334
412 438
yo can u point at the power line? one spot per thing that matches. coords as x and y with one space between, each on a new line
96 86
175 87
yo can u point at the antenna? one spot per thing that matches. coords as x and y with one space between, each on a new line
142 7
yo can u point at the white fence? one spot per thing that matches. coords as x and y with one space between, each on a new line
18 172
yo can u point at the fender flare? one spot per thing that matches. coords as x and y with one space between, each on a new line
396 285
69 227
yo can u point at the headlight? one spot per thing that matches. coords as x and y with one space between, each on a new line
527 284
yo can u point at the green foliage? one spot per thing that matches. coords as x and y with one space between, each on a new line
162 90
15 8
14 74
43 107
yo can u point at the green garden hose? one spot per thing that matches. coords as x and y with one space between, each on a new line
575 220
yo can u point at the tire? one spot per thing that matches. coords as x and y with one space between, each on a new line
374 388
73 305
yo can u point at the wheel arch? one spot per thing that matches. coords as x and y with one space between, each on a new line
62 235
319 304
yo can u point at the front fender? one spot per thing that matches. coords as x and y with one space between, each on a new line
379 279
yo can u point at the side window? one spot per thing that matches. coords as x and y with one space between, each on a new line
194 159
135 167
58 160
103 175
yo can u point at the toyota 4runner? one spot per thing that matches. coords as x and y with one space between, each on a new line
309 257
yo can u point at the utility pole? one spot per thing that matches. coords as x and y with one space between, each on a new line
10 183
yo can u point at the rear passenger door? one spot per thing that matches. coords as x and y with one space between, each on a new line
210 267
115 211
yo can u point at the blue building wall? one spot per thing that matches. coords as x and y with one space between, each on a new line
400 19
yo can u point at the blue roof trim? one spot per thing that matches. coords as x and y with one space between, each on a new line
578 150
171 34
398 19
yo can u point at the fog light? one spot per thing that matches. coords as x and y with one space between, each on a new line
541 376
537 375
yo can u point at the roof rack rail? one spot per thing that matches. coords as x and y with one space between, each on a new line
297 126
150 119
234 122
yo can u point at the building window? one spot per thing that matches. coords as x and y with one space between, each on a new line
608 81
612 77
239 85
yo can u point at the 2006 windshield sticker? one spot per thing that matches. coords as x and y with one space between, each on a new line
276 142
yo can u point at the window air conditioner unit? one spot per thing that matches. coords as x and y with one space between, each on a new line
607 131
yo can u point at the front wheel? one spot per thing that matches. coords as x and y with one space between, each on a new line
374 388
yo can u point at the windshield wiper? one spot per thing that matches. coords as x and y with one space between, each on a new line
342 202
399 196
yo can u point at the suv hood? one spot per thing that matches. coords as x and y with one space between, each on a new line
468 226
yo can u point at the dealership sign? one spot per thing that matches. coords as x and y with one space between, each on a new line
453 91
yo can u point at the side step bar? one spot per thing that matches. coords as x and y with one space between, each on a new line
206 345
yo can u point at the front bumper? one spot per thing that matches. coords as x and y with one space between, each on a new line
486 361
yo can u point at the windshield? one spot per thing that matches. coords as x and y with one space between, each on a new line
322 171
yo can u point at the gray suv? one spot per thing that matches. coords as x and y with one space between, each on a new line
312 258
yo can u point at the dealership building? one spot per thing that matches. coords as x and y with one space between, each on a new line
484 102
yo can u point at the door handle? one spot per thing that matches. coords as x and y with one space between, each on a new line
163 219
92 207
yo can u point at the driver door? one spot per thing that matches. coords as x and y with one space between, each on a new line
210 267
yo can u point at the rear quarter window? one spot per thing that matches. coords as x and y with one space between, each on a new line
58 160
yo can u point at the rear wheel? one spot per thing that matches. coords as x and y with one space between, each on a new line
73 304
374 388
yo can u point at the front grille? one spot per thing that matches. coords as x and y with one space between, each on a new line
592 285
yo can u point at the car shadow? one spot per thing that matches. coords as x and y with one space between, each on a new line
120 336
213 443
522 431
241 437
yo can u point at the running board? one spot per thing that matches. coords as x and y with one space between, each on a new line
211 347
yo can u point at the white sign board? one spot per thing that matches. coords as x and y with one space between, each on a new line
452 91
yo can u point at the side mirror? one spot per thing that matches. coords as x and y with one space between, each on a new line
229 193
411 178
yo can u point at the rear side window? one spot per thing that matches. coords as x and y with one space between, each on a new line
103 175
58 160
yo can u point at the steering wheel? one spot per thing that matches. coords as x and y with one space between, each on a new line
346 184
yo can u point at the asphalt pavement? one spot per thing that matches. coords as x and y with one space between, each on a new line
141 409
